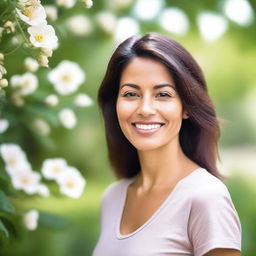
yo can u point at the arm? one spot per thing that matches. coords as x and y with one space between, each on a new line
223 252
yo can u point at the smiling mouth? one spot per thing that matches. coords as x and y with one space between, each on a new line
147 127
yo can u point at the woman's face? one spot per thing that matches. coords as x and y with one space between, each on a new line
148 106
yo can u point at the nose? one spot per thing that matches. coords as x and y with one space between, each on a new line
146 107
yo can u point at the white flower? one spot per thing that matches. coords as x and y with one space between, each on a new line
71 183
66 77
83 100
87 3
15 80
31 219
67 118
33 15
51 12
12 155
31 64
52 100
28 83
4 124
106 21
53 168
43 36
66 3
79 25
43 190
24 179
42 126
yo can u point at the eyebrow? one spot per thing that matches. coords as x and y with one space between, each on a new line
158 86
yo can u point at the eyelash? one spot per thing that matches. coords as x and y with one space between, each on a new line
134 94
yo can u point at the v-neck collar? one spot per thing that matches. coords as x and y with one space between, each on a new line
154 215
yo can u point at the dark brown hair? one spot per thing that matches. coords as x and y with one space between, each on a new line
199 133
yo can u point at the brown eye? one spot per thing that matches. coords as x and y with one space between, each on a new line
163 95
130 94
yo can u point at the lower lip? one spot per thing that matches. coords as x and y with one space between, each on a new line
146 132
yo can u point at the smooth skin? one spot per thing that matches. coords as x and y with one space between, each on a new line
150 114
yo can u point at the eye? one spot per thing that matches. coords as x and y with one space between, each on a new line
164 95
130 94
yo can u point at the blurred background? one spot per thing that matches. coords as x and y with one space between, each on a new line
220 34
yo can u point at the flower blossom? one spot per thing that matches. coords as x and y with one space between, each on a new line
52 100
13 155
67 118
106 21
42 126
43 36
24 179
79 25
66 3
33 15
4 124
31 64
83 100
71 183
66 77
31 219
53 168
26 83
51 12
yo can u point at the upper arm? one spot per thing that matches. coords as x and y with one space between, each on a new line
223 252
214 224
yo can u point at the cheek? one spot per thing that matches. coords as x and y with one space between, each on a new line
171 111
123 110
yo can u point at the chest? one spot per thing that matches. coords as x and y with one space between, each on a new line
140 209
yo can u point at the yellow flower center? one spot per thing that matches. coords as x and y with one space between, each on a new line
56 169
66 78
28 12
12 160
70 184
24 180
27 83
39 38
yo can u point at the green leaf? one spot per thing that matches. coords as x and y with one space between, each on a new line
53 221
3 229
5 204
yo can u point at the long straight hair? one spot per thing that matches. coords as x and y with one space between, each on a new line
199 133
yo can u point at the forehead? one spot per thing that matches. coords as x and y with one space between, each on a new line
142 70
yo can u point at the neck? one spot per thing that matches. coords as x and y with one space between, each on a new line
164 166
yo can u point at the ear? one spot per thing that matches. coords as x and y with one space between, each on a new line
185 115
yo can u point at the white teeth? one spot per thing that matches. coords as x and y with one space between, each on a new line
147 126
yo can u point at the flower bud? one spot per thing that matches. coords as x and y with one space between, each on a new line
47 52
3 70
1 56
3 83
43 61
87 3
9 26
52 100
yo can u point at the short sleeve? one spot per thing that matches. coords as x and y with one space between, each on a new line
213 221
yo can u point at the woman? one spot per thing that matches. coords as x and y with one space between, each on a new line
162 133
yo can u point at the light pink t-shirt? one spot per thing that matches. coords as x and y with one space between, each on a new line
197 216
